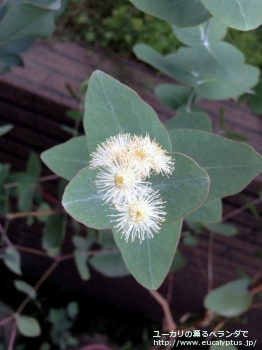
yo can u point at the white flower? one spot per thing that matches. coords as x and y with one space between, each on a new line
140 216
120 182
161 163
140 151
114 149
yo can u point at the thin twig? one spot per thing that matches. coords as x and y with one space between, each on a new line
38 284
12 337
48 197
6 320
170 324
241 209
33 213
32 251
48 178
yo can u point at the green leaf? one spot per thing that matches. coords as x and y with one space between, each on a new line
179 12
54 233
231 165
112 108
67 158
28 326
149 261
178 261
213 89
75 115
81 264
182 192
33 165
195 36
227 230
172 96
4 172
237 14
106 239
12 260
110 264
208 213
82 201
25 201
43 207
229 300
72 309
26 288
220 61
234 136
189 120
25 20
165 64
5 129
191 241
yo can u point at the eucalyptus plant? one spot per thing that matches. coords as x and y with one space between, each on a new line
130 180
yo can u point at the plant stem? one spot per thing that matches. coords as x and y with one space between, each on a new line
32 251
190 100
241 209
12 337
48 197
38 284
6 320
33 213
170 324
48 178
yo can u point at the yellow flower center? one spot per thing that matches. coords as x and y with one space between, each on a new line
140 154
119 181
137 212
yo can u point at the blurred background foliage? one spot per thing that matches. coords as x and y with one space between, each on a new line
117 25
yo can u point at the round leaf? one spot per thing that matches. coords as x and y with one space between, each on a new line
67 158
208 213
113 108
231 165
12 260
150 260
111 264
28 326
221 90
219 61
184 190
227 230
172 96
238 14
229 300
194 36
190 120
166 64
179 12
80 260
26 288
82 201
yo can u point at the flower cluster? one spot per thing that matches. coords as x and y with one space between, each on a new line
125 161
